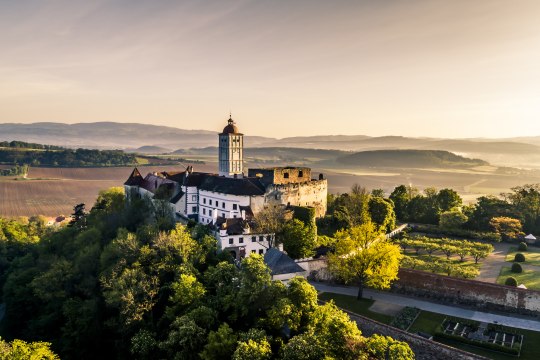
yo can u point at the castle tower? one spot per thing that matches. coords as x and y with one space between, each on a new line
231 144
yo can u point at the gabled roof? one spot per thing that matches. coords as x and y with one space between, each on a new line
280 263
135 179
177 197
234 226
238 186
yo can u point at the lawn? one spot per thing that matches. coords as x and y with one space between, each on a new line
427 322
530 278
532 255
356 306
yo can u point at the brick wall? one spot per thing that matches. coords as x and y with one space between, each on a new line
468 292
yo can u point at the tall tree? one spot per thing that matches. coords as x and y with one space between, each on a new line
298 239
270 220
448 199
362 255
508 228
382 213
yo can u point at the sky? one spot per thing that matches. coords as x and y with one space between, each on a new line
432 68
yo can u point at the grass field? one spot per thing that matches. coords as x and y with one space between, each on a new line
529 278
532 255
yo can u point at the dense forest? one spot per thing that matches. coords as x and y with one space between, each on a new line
62 157
120 283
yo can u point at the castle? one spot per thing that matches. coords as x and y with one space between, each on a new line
229 201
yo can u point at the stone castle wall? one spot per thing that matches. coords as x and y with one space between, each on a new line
282 175
312 193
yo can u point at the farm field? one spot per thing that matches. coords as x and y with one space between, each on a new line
54 191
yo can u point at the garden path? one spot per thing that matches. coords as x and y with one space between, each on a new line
491 266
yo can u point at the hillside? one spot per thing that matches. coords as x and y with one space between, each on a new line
408 159
152 139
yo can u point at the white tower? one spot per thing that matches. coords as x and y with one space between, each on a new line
231 157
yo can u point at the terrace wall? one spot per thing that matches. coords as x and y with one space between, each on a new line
479 294
424 349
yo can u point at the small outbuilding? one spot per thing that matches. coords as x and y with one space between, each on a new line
282 267
530 239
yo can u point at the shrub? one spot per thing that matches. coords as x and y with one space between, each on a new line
516 268
519 257
511 281
522 246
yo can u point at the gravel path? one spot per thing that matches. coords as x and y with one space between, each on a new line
491 266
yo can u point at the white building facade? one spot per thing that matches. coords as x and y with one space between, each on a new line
228 202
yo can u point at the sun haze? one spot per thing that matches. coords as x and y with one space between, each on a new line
284 68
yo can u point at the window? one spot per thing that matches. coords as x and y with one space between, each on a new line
204 201
286 175
194 197
253 239
261 238
223 205
222 214
209 202
210 212
253 251
241 240
231 241
234 206
204 211
194 209
300 173
261 251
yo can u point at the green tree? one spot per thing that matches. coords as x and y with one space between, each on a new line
508 228
271 220
362 255
384 347
132 291
452 219
22 350
448 199
253 350
382 213
400 197
221 344
298 239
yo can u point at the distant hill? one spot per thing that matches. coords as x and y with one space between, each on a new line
151 139
148 150
110 135
408 159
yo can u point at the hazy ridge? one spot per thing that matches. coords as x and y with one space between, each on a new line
519 152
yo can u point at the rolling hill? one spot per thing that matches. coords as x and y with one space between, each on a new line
513 152
408 159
